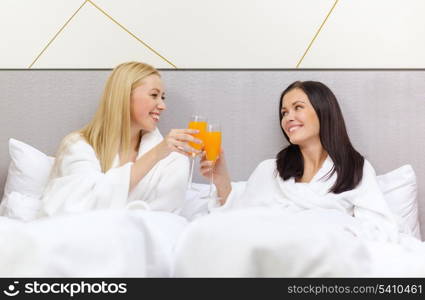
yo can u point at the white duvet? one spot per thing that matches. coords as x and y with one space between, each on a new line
250 242
264 242
104 243
272 227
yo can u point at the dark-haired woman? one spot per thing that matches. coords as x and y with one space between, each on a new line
314 211
319 170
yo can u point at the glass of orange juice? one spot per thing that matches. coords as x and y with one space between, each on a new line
212 141
196 122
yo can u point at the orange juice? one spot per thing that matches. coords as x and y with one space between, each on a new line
202 127
212 144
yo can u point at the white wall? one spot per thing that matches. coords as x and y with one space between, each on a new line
213 34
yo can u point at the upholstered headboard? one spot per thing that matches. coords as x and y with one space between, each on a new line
384 111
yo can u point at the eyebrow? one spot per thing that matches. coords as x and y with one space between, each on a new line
298 101
158 90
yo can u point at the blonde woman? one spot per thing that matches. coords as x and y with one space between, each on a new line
120 159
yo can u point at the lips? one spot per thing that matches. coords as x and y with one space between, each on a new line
292 128
154 116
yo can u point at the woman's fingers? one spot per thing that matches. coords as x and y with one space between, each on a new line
185 135
176 144
188 154
187 138
185 147
206 164
206 172
206 168
184 131
187 131
203 156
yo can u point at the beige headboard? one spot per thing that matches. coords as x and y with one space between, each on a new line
384 111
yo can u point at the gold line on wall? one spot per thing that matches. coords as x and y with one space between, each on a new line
130 33
55 36
317 33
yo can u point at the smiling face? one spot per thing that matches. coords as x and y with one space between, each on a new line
147 103
299 119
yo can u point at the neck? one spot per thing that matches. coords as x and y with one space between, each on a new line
314 155
135 137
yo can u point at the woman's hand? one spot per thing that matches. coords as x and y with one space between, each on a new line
221 177
177 140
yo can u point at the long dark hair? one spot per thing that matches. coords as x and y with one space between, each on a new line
348 163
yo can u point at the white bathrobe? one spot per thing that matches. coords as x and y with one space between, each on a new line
265 188
77 183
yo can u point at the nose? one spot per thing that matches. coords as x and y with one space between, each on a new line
290 116
161 105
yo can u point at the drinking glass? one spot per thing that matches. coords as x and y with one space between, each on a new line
212 143
196 122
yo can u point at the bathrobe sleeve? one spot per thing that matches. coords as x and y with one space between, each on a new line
78 184
238 188
370 207
259 190
170 189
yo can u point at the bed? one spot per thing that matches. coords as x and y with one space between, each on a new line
381 108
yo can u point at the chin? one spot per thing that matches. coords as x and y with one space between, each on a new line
296 141
293 141
148 126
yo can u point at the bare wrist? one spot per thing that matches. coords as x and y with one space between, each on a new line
158 151
223 190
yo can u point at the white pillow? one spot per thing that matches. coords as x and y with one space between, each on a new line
28 173
21 207
400 190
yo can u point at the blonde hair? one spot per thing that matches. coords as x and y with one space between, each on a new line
109 130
